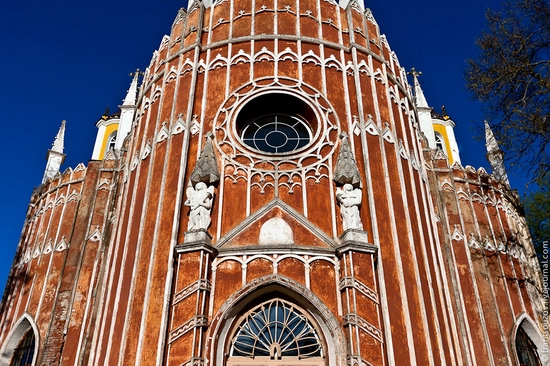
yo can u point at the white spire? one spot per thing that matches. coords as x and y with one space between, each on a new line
495 156
55 156
423 109
132 92
127 110
421 101
490 140
59 139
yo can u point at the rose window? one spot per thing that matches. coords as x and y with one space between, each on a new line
276 123
276 133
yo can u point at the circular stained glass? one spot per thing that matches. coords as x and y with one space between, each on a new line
276 133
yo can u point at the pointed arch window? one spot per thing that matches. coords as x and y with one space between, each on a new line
111 141
439 143
526 350
24 352
276 329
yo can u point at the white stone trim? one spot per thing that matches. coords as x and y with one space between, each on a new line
23 325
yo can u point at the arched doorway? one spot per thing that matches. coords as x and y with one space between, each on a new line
276 332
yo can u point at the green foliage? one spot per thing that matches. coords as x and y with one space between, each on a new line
511 76
537 213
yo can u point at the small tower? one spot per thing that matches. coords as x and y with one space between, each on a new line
495 156
55 156
438 128
113 128
444 135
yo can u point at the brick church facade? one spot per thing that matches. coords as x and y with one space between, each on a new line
274 193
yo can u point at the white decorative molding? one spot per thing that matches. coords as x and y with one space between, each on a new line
387 133
96 235
163 133
457 233
135 161
446 185
371 127
146 150
48 248
473 242
195 125
104 184
402 150
179 126
62 245
244 163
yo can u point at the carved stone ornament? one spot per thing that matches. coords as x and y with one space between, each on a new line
350 199
206 170
346 171
199 199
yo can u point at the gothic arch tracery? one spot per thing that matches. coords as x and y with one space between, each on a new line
226 320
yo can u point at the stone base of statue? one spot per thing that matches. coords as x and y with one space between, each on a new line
195 240
354 235
357 241
198 236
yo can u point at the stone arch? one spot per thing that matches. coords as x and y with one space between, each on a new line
529 326
225 318
23 325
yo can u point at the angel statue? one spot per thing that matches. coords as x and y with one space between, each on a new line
199 199
350 199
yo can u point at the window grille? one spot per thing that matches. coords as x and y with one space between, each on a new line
276 329
23 354
526 350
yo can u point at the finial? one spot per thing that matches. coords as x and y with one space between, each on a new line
414 73
58 143
418 93
106 114
138 72
130 99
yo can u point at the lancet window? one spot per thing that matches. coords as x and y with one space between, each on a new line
23 354
526 350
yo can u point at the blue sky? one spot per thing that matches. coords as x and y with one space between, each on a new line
69 60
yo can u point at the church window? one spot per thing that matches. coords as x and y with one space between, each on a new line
276 329
276 123
111 141
24 352
439 143
526 350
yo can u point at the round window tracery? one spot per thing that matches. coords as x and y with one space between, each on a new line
276 123
276 329
276 133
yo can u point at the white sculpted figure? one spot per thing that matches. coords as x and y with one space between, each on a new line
350 199
199 199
